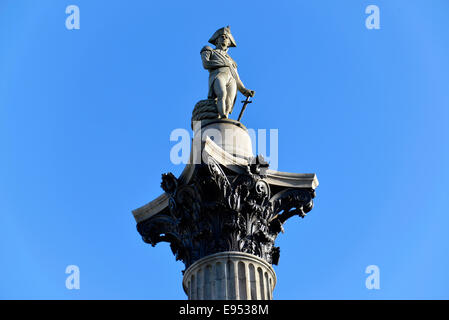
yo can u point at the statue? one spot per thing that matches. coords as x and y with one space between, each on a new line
224 212
224 80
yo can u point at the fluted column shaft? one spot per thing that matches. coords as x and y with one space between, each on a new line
230 276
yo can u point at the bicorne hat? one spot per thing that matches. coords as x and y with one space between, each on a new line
219 32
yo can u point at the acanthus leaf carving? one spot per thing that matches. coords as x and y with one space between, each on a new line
222 211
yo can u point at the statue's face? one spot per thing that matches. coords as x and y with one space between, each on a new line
223 41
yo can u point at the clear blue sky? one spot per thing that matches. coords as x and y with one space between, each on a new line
86 116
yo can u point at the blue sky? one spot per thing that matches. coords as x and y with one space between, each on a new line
86 116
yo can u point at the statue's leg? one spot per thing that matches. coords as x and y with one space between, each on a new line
220 92
231 91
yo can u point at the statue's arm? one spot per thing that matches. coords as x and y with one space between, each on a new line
209 63
240 86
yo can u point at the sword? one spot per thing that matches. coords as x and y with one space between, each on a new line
245 103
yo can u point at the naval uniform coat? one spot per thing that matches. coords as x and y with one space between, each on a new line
218 61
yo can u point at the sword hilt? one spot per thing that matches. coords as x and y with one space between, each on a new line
245 102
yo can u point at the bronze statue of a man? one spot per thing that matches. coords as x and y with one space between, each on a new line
223 77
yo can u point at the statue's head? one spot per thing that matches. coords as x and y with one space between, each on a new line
222 38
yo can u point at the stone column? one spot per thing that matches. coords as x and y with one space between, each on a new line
223 214
230 275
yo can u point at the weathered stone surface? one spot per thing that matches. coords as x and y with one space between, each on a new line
225 205
234 164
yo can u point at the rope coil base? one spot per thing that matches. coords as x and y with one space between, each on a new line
205 109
